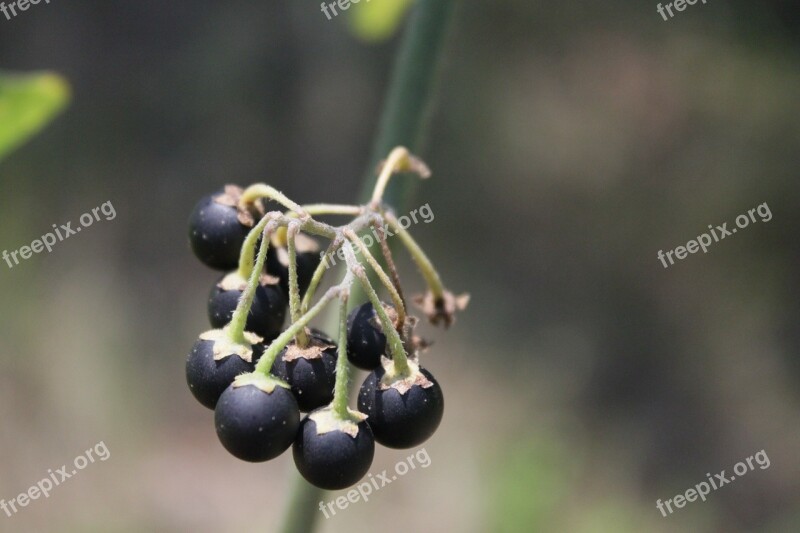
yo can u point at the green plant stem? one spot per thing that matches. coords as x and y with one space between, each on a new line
341 388
318 274
402 123
235 328
395 160
265 363
382 276
262 190
410 90
386 250
396 348
424 264
333 209
247 255
294 289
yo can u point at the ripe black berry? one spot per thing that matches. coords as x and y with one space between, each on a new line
266 315
310 371
208 378
215 232
365 339
255 425
334 459
405 413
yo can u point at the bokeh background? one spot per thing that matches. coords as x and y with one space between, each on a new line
570 141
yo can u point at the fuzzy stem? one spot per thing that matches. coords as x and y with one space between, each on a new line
294 288
393 339
238 321
333 209
262 190
387 256
396 160
341 388
247 255
265 363
318 274
384 279
424 264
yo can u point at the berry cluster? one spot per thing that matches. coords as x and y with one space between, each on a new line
258 376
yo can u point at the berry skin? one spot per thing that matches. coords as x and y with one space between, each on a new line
310 371
215 232
333 460
267 313
255 425
208 378
365 339
402 420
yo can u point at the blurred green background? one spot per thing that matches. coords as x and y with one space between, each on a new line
569 143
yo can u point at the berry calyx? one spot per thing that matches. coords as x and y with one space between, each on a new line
267 312
331 453
256 418
216 230
309 370
404 410
366 342
214 363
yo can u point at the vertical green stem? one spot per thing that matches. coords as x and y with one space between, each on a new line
410 91
397 300
238 321
248 253
294 289
402 121
341 389
396 348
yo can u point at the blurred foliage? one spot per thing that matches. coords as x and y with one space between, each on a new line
27 103
380 20
533 477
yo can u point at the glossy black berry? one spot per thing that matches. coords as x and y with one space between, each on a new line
254 425
215 232
208 378
333 460
267 313
311 372
365 339
401 420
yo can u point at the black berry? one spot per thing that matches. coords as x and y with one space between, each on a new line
255 425
208 378
333 460
365 339
215 232
267 313
402 420
310 371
